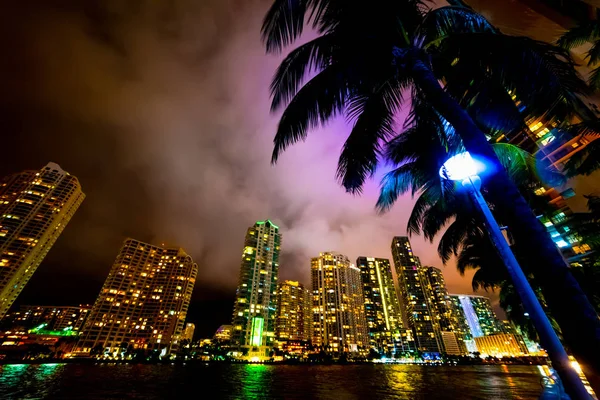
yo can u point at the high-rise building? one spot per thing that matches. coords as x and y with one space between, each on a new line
54 318
256 297
293 318
439 298
476 312
382 307
35 207
547 20
143 302
338 311
188 332
444 313
416 296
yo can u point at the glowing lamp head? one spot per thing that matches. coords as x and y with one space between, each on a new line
461 167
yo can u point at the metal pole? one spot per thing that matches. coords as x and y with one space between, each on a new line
549 339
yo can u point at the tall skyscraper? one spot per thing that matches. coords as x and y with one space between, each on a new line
293 318
256 297
440 300
339 323
35 207
382 307
416 295
444 313
476 312
144 300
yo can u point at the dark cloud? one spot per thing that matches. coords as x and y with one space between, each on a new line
161 109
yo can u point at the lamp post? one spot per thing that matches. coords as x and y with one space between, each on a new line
464 169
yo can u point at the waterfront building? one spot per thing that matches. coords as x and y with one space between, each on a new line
293 317
223 334
476 312
54 318
35 207
256 296
188 332
501 345
338 311
143 302
382 306
416 296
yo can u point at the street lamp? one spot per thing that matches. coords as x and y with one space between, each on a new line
463 168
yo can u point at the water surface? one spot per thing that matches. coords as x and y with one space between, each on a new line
242 381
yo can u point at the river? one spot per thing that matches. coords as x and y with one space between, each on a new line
246 381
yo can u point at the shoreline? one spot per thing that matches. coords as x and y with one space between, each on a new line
534 361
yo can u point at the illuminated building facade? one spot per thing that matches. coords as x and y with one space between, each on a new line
188 332
293 318
444 312
476 312
35 207
416 296
382 307
501 345
338 311
144 300
223 334
55 318
254 311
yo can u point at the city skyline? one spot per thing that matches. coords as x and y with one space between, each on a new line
190 166
141 158
73 301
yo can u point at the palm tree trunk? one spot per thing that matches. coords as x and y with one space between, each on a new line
579 322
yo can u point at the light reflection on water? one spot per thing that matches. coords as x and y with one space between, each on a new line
239 381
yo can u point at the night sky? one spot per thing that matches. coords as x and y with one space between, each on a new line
161 109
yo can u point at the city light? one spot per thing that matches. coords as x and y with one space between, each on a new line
460 167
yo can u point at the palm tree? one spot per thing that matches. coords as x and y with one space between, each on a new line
368 58
417 155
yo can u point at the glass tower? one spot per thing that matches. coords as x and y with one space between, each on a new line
35 207
416 295
254 312
382 307
143 302
339 323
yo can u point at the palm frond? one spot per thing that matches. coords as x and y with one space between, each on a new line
585 161
312 56
427 199
319 100
551 79
441 22
580 34
524 168
594 79
374 116
283 23
394 184
452 240
593 54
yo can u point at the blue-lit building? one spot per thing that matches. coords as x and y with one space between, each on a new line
474 317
